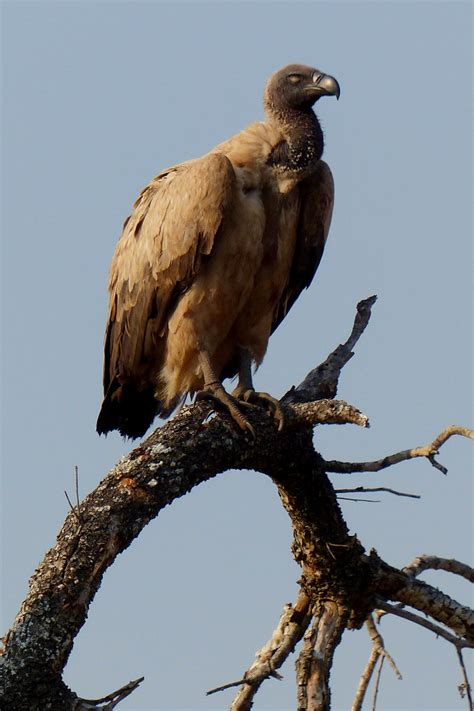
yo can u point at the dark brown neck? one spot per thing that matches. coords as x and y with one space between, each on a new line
304 142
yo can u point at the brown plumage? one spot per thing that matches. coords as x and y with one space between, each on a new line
213 256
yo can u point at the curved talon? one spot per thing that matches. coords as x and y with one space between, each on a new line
222 401
249 395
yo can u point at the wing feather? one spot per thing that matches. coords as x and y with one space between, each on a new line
317 200
174 225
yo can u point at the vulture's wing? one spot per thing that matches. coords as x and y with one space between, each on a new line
317 199
175 223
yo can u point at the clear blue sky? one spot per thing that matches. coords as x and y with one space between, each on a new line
98 98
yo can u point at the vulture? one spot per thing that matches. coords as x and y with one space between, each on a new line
212 258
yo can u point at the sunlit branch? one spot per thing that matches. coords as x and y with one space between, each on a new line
429 451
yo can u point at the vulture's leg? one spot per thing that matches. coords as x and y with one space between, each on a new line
245 392
213 390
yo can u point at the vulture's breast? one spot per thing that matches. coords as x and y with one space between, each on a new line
225 281
279 240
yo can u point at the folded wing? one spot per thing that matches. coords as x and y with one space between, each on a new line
174 226
317 200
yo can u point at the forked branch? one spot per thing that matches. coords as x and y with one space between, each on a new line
377 654
429 451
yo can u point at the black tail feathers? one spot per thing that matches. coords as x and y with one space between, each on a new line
127 410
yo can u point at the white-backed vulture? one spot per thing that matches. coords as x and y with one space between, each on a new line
212 258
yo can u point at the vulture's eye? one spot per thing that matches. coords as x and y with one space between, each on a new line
294 78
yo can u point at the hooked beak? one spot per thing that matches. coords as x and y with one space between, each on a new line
324 85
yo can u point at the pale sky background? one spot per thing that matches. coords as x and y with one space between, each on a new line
98 98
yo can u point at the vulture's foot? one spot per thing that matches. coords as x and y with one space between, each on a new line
251 396
222 401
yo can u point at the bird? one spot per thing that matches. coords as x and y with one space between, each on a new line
212 258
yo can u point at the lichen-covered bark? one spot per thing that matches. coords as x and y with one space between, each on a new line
340 583
178 456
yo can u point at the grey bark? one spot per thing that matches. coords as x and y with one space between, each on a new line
178 456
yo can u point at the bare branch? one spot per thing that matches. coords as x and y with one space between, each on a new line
109 702
76 510
365 489
229 685
458 642
73 508
358 501
321 382
291 628
78 503
431 562
364 680
465 686
377 683
442 607
378 651
443 437
379 645
427 451
186 451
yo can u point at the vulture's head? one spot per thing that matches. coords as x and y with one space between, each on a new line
299 87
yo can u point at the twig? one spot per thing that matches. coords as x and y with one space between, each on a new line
76 469
465 686
364 680
378 651
77 508
109 702
427 451
364 489
459 642
223 687
291 627
363 501
435 464
379 645
431 562
73 508
377 683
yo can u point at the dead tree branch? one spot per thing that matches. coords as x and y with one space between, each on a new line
322 382
372 489
464 687
427 451
340 583
441 607
109 702
457 641
377 654
427 562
